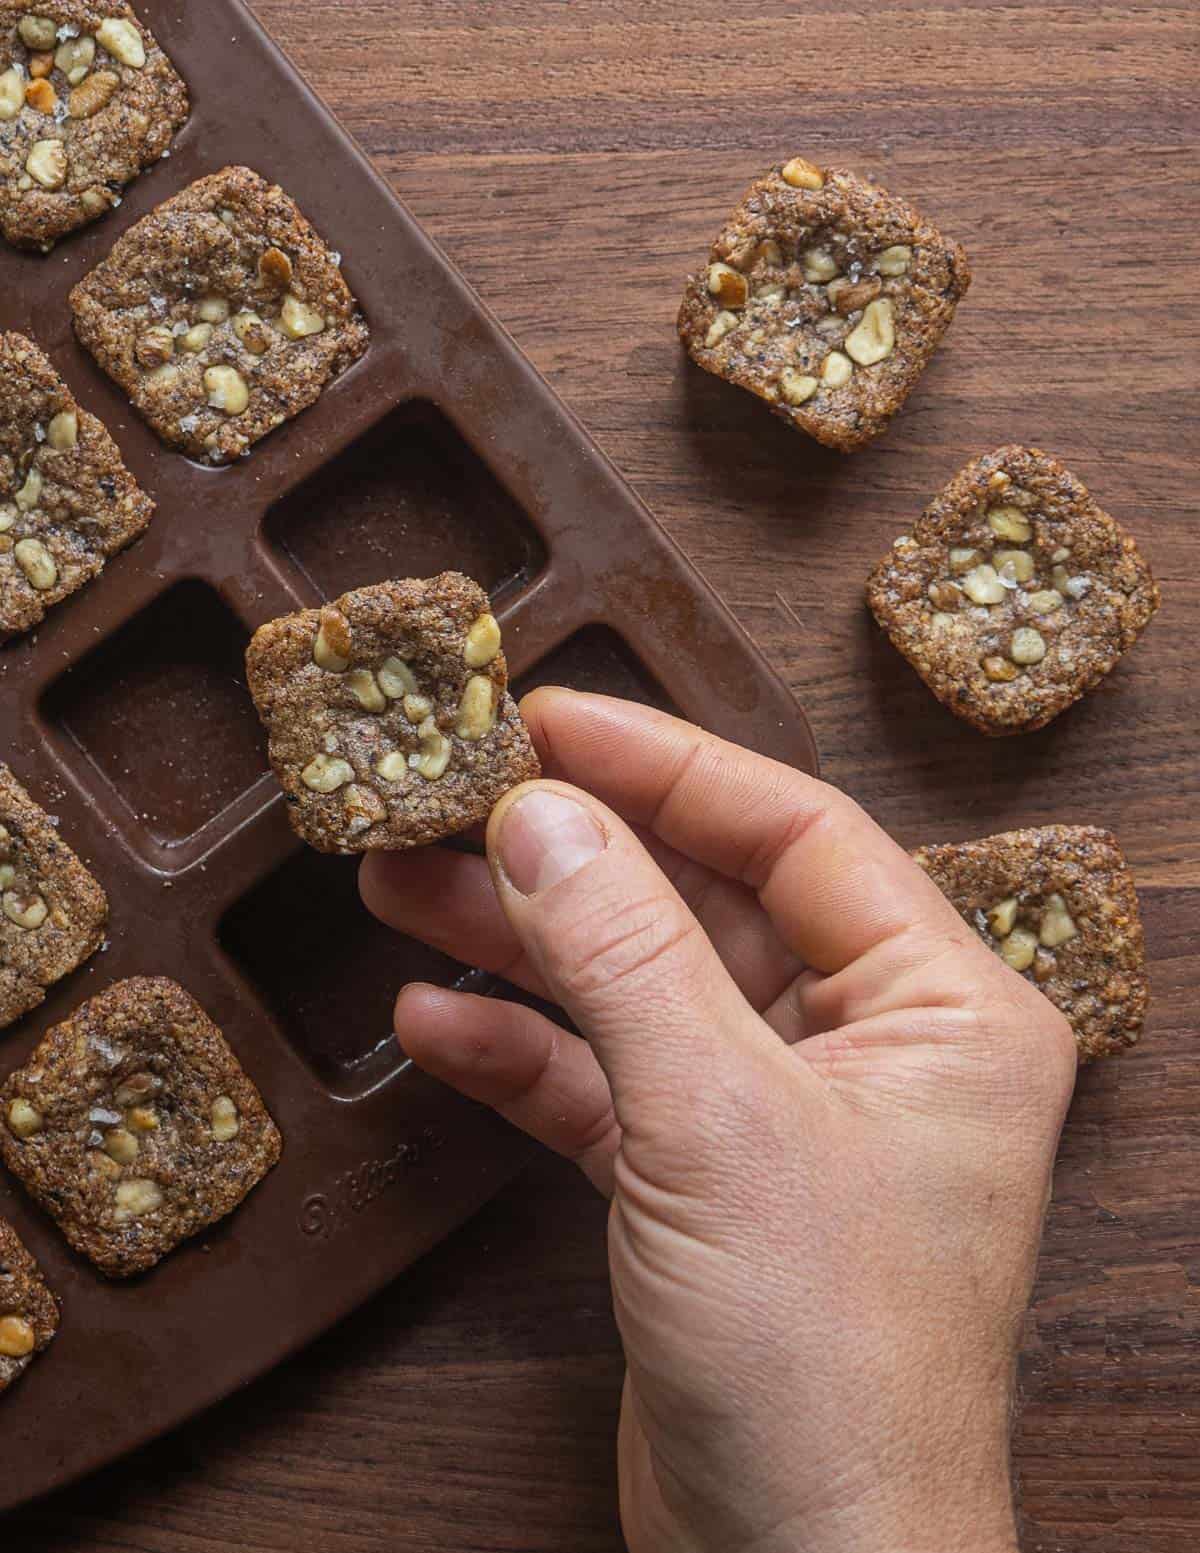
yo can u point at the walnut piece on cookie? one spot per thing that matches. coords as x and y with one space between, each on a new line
134 1126
88 100
388 713
825 296
1015 594
1058 904
28 1310
67 501
221 314
52 912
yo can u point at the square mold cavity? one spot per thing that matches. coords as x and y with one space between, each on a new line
596 659
408 499
160 711
329 971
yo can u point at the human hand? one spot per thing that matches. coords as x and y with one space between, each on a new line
825 1114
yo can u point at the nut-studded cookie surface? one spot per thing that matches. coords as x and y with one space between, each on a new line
67 501
221 314
826 297
1014 594
28 1310
134 1126
87 100
389 716
1057 904
52 912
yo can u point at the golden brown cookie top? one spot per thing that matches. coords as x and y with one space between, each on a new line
221 314
52 911
1014 593
28 1310
67 501
87 100
388 713
134 1125
825 296
1058 904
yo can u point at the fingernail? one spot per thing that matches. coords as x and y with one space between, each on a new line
545 838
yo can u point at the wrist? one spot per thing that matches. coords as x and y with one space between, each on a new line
967 1516
935 1512
974 1532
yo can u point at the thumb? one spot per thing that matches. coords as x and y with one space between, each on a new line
617 947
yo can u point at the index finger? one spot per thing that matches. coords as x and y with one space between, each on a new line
833 883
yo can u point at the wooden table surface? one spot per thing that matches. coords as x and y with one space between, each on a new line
575 160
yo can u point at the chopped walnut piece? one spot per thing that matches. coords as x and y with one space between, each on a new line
802 174
94 92
333 646
326 773
275 268
23 1119
122 40
226 1123
1057 928
47 163
483 642
727 285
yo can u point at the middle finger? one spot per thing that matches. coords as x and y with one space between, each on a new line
446 899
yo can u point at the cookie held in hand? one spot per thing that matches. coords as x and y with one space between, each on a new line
388 714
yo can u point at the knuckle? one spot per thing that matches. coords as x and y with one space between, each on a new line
1030 1035
610 947
798 811
593 1136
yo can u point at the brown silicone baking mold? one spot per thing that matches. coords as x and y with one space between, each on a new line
126 715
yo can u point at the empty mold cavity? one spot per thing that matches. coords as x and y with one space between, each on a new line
160 710
328 970
409 499
598 660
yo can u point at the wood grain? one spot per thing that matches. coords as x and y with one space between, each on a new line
574 161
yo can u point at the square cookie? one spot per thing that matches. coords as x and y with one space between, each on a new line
52 912
389 716
221 314
87 100
68 501
1057 904
1015 594
134 1126
28 1311
825 296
